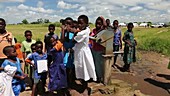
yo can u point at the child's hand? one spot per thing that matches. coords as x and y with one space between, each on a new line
25 75
32 64
22 77
63 27
68 28
73 30
135 41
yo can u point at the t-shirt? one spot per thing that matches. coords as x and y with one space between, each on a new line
4 42
18 50
26 46
16 64
117 37
47 41
35 57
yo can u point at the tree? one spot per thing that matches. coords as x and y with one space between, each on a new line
149 23
39 21
25 21
46 21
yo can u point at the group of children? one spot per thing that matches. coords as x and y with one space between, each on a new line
68 57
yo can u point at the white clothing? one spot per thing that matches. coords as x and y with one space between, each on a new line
83 60
6 81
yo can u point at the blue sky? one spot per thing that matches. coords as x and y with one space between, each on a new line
14 11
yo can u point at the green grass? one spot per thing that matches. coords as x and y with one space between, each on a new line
153 39
38 31
149 39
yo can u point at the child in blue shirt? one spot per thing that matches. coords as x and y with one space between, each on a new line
18 84
39 78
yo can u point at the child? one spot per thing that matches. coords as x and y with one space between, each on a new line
26 49
83 60
18 49
108 26
6 77
47 37
5 39
98 50
117 40
66 37
18 84
57 71
33 49
38 77
130 43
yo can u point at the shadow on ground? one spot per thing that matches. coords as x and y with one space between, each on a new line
163 85
164 76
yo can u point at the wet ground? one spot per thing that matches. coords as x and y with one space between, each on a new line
149 76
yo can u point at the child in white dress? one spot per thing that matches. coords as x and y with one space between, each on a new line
83 60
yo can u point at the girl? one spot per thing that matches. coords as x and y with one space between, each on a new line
117 40
129 49
6 80
57 71
97 49
84 64
66 37
18 84
39 78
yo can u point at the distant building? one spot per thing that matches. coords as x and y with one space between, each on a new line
135 25
143 25
122 24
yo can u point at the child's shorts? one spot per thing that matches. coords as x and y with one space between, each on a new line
36 80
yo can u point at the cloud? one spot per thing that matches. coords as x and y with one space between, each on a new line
12 0
22 6
63 5
122 10
136 8
36 9
82 8
159 5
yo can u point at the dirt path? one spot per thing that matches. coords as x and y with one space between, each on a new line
149 75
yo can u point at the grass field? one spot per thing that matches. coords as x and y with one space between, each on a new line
150 39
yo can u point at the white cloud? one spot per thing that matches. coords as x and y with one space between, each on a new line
63 5
168 11
12 0
42 10
22 6
82 8
136 8
159 5
36 9
122 10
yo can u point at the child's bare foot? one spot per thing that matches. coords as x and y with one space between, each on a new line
114 66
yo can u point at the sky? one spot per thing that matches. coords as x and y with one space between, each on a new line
14 11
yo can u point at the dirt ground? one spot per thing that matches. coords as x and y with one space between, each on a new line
149 76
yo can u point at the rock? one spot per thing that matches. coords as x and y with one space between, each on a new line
138 93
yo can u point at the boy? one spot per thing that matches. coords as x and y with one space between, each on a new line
18 84
26 48
117 40
5 39
38 77
47 37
